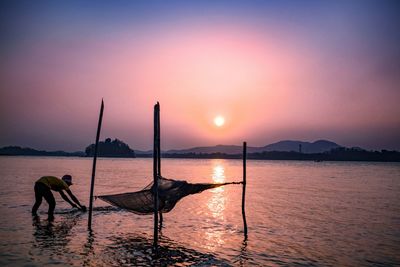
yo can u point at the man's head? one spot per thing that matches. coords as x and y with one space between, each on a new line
67 179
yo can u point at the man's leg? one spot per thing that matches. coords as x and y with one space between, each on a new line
38 200
52 203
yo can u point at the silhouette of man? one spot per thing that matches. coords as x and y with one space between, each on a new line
43 188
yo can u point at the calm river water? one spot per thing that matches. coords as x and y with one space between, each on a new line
298 214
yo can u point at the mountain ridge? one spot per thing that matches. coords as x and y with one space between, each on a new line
337 153
317 146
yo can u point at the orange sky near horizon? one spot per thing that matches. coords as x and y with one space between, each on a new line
270 79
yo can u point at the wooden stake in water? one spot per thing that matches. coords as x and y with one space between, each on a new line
94 165
244 190
155 173
159 154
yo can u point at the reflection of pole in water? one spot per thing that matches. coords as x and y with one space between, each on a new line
243 254
88 249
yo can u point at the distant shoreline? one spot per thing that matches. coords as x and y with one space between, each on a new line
169 157
339 154
386 156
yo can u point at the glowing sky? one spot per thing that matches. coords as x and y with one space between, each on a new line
275 70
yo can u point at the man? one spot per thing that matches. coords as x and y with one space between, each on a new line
43 188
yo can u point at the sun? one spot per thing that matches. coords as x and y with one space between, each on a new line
219 121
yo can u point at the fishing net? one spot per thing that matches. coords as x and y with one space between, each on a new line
169 193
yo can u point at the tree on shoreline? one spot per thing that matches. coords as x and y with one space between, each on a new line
108 148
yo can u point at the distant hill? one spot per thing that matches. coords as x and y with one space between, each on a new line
117 148
226 149
319 146
25 151
108 148
320 150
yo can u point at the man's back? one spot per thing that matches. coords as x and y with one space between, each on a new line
53 183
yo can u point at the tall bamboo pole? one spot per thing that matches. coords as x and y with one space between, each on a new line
244 190
158 141
159 153
155 174
94 165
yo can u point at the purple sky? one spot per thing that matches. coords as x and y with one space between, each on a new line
274 70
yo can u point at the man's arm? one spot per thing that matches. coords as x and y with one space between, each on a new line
73 197
67 199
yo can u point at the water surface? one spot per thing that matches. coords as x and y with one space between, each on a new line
298 213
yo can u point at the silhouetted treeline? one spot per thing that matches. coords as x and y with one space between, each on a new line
25 151
108 148
117 148
337 154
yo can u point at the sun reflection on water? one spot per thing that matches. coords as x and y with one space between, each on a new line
216 205
218 174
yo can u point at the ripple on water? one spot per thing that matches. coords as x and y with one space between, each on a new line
137 250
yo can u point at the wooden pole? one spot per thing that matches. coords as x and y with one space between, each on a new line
158 141
155 175
94 165
159 153
244 190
